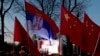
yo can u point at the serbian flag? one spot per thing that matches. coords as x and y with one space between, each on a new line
91 35
20 35
71 27
41 24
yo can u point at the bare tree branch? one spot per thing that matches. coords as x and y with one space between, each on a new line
52 7
78 14
75 4
41 4
69 4
48 6
9 7
63 2
1 10
20 5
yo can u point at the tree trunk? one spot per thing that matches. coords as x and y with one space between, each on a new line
2 35
2 28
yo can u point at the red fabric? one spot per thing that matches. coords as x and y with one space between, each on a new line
22 36
33 10
90 37
71 27
40 44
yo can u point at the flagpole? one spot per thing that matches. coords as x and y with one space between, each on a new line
28 34
27 31
59 35
96 44
59 38
73 48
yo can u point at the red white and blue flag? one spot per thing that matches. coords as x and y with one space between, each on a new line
41 24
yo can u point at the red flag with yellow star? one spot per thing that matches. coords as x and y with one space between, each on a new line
91 34
71 27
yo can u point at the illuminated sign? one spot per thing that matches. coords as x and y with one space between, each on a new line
52 46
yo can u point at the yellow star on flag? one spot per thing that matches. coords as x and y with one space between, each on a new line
86 23
66 17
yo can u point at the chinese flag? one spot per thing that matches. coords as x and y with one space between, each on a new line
91 34
71 27
22 36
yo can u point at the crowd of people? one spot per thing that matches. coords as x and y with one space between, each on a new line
20 50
